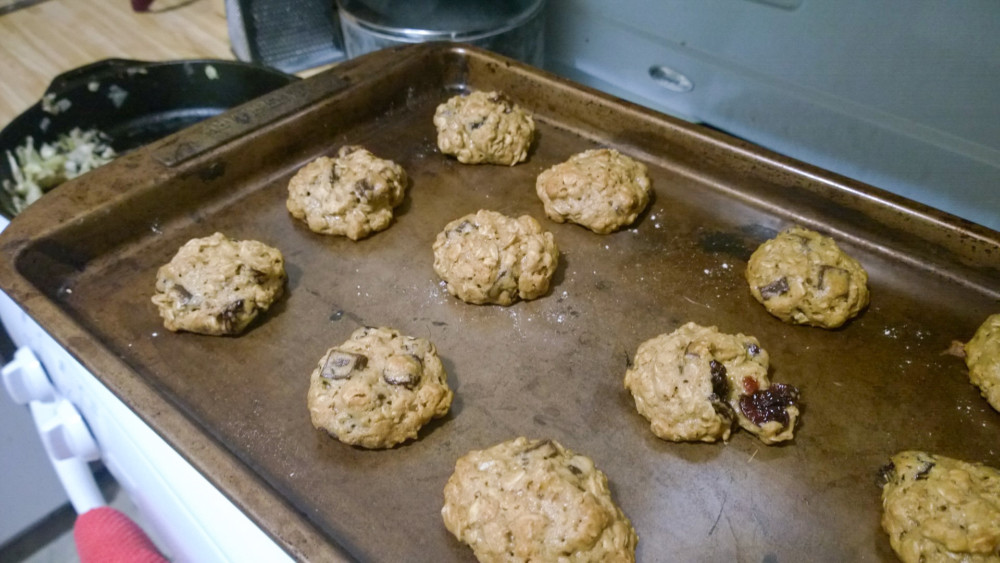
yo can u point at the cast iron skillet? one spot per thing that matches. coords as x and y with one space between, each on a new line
136 102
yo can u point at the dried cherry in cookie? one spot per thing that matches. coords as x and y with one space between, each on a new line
693 383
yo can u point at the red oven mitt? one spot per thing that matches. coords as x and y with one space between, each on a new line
105 535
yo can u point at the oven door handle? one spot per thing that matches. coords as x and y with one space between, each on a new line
68 442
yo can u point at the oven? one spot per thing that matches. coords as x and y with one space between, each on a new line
894 99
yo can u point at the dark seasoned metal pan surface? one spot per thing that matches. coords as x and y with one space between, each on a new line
83 262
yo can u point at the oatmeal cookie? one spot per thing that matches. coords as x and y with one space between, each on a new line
487 257
533 500
484 127
600 189
378 389
693 383
803 277
982 356
936 508
352 195
216 285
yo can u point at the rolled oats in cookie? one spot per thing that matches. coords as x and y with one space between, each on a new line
378 389
533 500
600 189
216 285
352 195
938 509
487 257
693 383
484 127
803 277
982 356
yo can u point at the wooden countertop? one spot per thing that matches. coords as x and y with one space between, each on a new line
41 41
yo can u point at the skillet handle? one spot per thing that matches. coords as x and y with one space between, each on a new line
244 119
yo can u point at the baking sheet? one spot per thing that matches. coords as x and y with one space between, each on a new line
83 261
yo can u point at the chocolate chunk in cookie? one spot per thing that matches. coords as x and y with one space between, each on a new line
803 277
378 388
600 189
352 195
484 127
693 383
488 257
216 285
937 508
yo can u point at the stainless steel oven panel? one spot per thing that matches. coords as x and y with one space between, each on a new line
903 98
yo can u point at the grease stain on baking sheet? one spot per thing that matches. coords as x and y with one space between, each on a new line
731 244
339 314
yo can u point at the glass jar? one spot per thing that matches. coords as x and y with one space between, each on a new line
514 28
